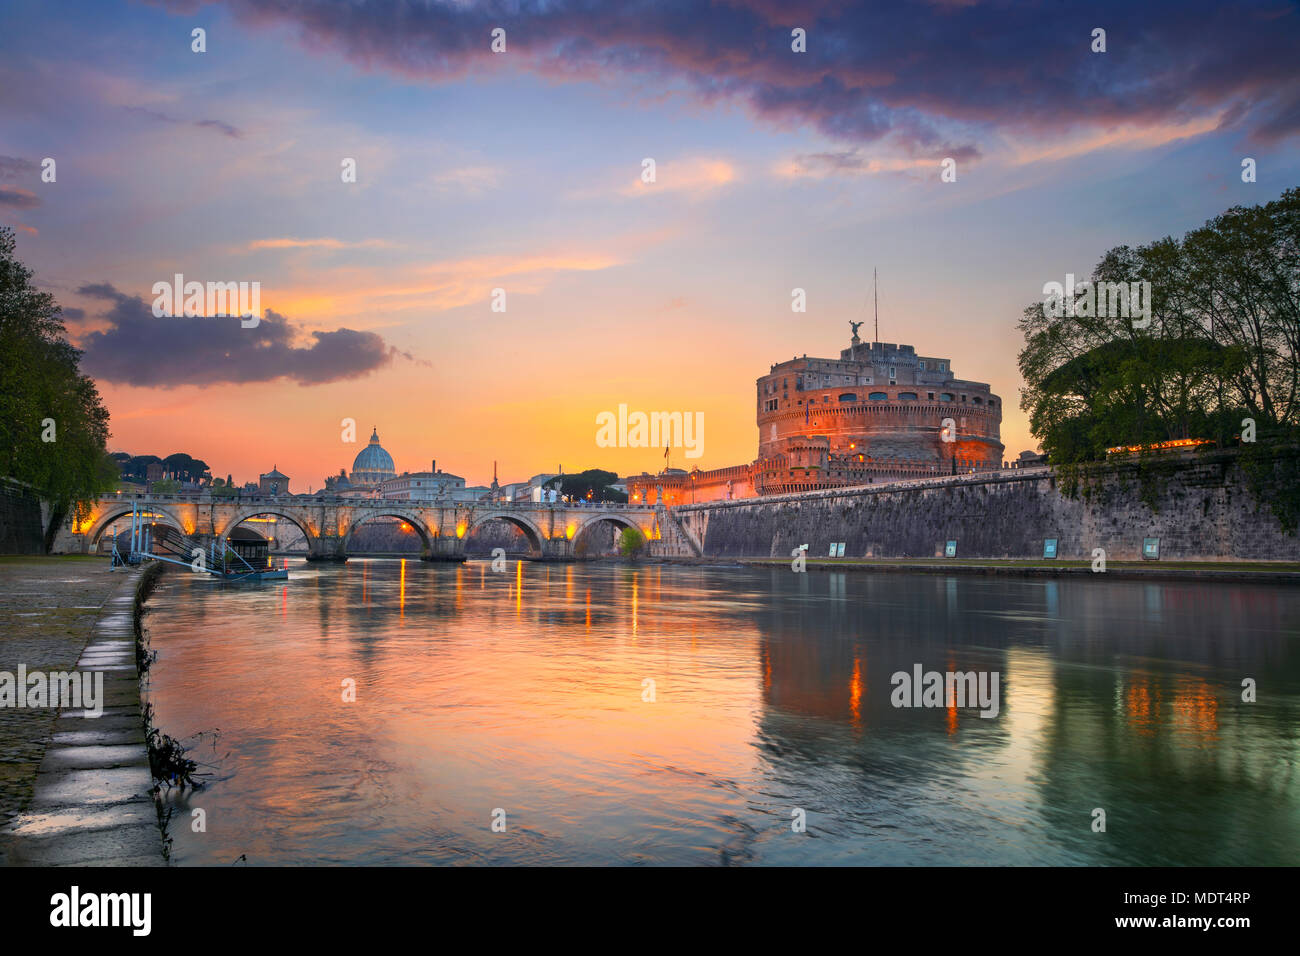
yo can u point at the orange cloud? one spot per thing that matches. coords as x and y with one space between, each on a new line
317 244
688 175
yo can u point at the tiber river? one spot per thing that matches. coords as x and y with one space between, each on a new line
524 698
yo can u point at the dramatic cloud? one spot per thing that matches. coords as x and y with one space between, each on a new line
925 78
139 349
16 198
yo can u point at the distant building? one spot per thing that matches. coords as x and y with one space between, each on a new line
370 469
535 488
339 485
1030 459
273 483
432 485
424 485
373 465
515 491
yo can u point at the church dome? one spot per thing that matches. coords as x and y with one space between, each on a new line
373 464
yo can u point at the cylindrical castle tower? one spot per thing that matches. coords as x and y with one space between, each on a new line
880 411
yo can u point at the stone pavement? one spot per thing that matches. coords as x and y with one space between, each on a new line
91 801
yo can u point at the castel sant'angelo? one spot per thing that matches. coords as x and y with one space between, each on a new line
879 412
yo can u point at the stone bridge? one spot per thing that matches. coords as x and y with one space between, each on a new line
553 531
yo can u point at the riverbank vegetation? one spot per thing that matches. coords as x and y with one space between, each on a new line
1214 357
53 424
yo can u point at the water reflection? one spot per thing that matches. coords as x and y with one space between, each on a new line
524 690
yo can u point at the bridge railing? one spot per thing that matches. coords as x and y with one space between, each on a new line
202 498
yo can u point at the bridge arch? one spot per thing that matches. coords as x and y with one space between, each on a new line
536 540
411 517
118 511
589 525
288 514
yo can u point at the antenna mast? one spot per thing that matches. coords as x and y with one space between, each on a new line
875 295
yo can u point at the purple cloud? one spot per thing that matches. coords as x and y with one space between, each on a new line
925 75
140 349
17 198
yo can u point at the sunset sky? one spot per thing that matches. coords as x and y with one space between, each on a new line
521 170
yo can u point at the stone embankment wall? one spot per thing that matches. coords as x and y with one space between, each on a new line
1203 511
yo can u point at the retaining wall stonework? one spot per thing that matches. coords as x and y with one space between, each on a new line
1203 512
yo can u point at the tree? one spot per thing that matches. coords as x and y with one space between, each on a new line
1222 347
185 468
53 424
136 467
630 542
1223 342
223 488
590 485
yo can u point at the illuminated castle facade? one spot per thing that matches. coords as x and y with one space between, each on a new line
880 412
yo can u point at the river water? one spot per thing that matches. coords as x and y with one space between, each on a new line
524 698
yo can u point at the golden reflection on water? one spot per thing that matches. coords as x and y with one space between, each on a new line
855 694
772 691
1193 706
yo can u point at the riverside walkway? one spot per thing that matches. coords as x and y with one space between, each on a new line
73 789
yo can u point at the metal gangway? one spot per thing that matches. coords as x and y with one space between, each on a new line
143 546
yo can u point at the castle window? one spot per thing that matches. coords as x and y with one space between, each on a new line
878 397
945 396
977 400
930 395
848 397
942 367
922 365
907 396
